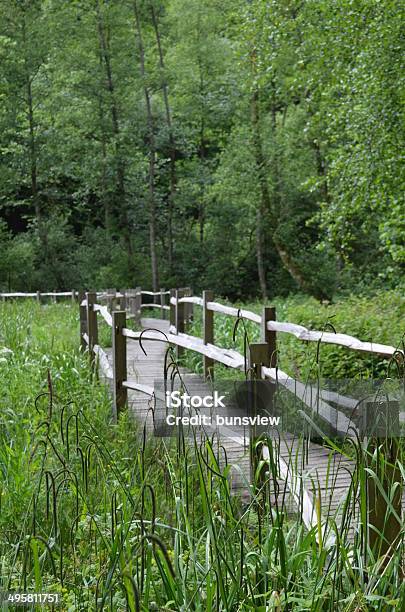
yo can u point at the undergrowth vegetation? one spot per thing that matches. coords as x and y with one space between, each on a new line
114 520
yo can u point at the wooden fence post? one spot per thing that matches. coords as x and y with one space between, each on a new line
208 333
110 299
172 308
188 308
162 303
131 302
138 304
38 297
179 319
119 349
123 300
269 336
383 456
54 297
83 321
73 296
92 330
258 357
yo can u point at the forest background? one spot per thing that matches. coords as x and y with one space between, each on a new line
253 148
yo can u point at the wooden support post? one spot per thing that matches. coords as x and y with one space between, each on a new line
179 320
190 307
138 304
131 302
383 456
208 333
187 307
162 303
38 297
129 293
54 297
172 308
269 336
123 300
258 357
73 296
83 321
110 299
119 349
92 330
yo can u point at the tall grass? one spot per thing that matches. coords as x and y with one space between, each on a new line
114 520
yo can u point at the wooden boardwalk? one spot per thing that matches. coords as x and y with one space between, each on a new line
305 468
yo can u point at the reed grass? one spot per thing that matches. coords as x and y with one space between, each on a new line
114 520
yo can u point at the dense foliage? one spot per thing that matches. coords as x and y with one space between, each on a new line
250 147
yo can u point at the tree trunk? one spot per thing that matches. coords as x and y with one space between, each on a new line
264 203
201 211
152 156
172 143
33 155
105 201
121 205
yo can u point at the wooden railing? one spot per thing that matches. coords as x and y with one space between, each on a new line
38 295
178 304
262 357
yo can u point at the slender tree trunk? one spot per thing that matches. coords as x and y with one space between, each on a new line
32 145
264 203
172 143
201 211
33 160
152 155
121 204
105 200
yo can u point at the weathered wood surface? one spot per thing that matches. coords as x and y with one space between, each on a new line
301 332
304 468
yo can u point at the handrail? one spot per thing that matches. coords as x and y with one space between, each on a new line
228 357
299 331
153 293
31 294
18 294
302 333
103 361
135 386
103 311
151 305
190 300
234 312
310 396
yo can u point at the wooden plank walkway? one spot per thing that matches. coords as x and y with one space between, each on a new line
303 466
